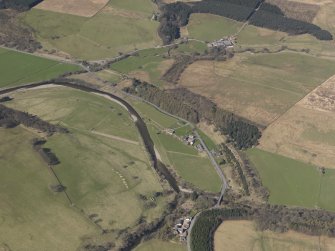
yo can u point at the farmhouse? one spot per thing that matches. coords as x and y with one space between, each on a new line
190 139
222 43
181 228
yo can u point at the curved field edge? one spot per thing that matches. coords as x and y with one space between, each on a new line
101 186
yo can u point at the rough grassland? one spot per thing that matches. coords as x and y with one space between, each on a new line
18 68
259 87
104 35
306 131
295 183
31 216
154 245
208 27
85 8
242 235
104 175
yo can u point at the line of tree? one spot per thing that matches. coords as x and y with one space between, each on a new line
176 15
196 108
10 118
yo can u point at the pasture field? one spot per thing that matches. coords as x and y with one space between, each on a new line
153 245
85 8
306 132
197 170
148 65
32 217
103 164
106 34
259 87
192 47
292 182
18 68
243 235
209 27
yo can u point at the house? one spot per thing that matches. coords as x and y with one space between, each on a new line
223 43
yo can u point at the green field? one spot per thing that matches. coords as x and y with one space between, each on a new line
18 68
104 35
208 27
154 245
31 216
191 166
103 174
292 182
196 170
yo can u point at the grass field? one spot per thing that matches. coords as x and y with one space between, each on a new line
292 182
208 27
107 33
242 235
191 166
104 174
18 68
31 216
153 245
259 87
